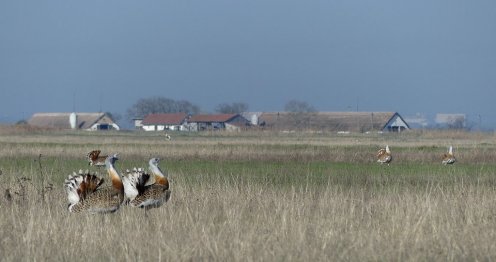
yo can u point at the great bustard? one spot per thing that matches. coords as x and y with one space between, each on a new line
85 193
160 177
384 155
146 190
95 159
449 158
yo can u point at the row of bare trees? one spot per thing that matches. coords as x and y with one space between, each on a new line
145 106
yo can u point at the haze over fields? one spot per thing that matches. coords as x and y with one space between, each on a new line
412 57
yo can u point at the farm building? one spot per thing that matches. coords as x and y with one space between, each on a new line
252 117
82 121
160 122
334 121
217 122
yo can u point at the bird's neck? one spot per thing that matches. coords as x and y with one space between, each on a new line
160 177
156 171
115 178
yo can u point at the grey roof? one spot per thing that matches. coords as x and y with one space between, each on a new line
330 121
61 120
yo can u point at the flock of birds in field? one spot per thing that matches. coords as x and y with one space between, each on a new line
138 188
384 156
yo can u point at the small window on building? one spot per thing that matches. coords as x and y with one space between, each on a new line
104 127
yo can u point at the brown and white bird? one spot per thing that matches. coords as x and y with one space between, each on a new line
449 158
146 190
384 155
159 177
95 159
85 193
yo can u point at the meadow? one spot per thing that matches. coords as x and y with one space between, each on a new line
256 196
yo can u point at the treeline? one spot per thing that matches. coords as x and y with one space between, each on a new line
155 105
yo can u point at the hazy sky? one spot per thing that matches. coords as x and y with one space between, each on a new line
422 56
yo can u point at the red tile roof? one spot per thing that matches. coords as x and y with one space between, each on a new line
164 119
212 118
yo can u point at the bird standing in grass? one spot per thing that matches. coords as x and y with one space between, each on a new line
84 190
449 157
146 190
384 155
159 177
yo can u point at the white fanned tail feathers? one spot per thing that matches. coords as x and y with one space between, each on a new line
84 193
134 183
146 190
72 187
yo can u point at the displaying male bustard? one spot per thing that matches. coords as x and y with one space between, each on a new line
159 177
168 137
384 155
95 159
146 190
85 192
449 158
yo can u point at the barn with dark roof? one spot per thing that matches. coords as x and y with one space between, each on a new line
334 121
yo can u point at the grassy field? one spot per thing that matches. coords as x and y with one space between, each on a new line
261 196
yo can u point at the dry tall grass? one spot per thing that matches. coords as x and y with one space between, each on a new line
226 207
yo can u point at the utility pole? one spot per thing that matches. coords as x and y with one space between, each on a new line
480 122
372 121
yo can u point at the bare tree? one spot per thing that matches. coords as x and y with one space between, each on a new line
458 123
145 106
114 116
300 113
296 106
233 108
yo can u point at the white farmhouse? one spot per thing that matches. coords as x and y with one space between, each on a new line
161 122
